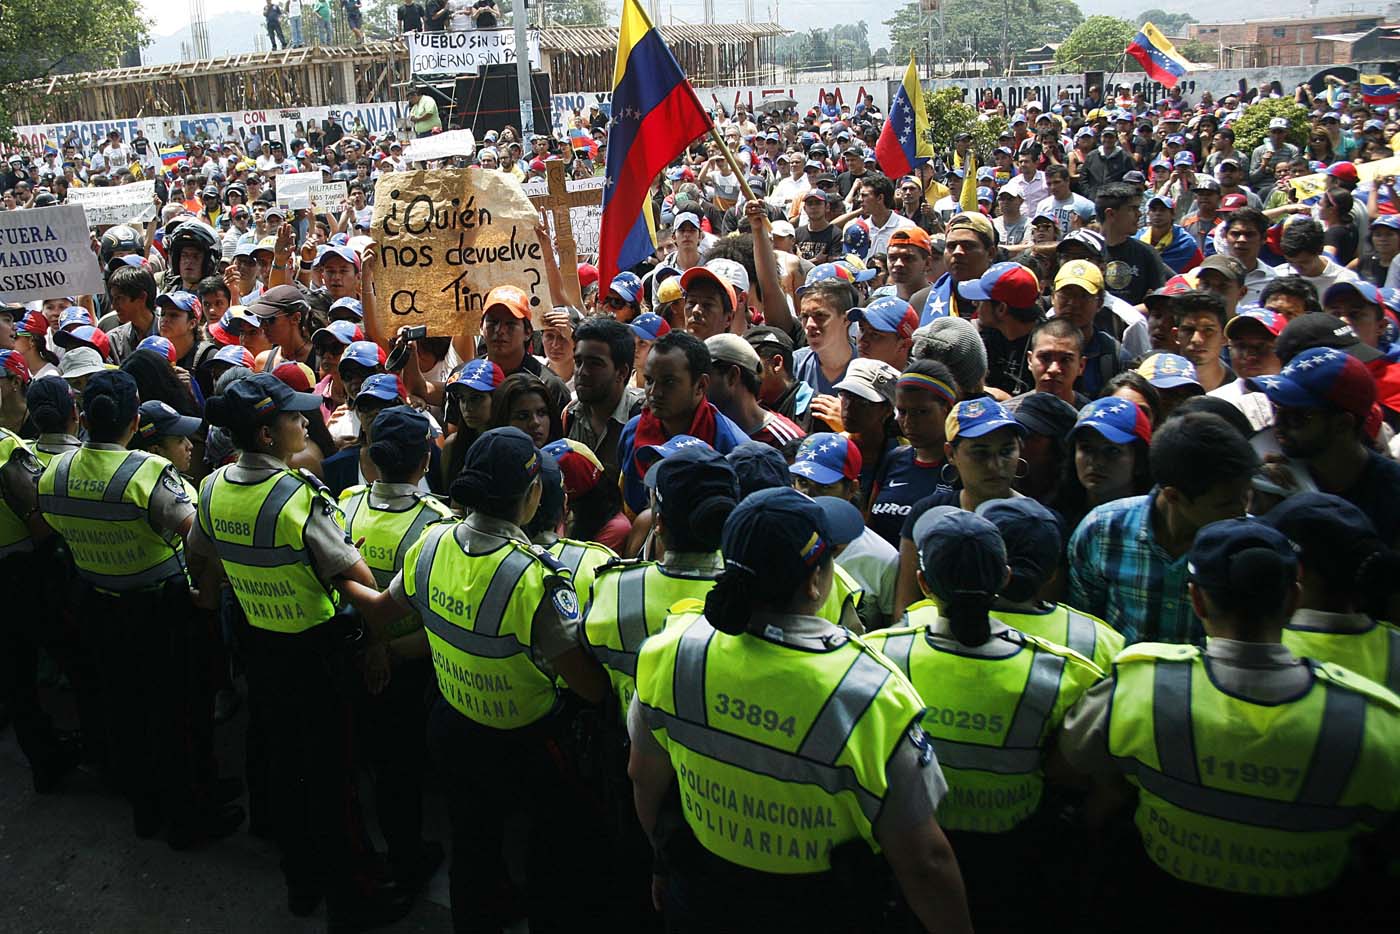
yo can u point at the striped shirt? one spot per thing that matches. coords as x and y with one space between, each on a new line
1119 573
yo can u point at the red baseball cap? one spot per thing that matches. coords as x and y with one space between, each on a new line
1011 283
1346 171
1233 202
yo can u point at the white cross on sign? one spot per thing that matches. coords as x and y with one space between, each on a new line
554 205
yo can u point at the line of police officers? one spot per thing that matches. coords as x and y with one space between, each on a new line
784 770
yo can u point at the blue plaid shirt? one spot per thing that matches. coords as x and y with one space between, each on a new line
1119 573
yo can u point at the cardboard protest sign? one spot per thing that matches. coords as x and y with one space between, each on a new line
47 252
441 146
327 196
445 238
116 204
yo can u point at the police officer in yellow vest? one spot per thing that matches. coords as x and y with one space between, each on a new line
791 750
1350 584
583 559
502 622
123 516
1034 549
24 536
1255 770
384 519
54 413
995 698
275 536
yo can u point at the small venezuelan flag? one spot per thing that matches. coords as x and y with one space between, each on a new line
1157 56
1378 89
169 155
655 116
904 142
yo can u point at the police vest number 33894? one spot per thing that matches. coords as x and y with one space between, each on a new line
754 714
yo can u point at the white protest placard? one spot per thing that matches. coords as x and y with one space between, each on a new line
585 219
116 204
45 252
440 146
292 189
446 237
327 196
465 53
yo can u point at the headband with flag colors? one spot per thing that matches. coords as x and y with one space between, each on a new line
1157 56
656 115
1379 90
904 143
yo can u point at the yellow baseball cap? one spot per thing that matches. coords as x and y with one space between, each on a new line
669 291
1082 273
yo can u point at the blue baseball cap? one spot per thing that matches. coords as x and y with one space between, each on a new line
888 313
233 355
366 353
503 461
830 272
238 318
626 286
1033 538
1366 291
1241 556
826 458
960 552
351 305
649 326
480 374
648 454
185 301
159 419
779 535
1168 371
342 332
855 239
1012 283
985 194
73 316
1118 420
161 346
1321 377
691 476
973 418
382 386
402 426
257 399
343 252
1332 534
758 466
1387 220
1163 200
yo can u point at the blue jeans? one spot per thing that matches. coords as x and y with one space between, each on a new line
325 30
296 32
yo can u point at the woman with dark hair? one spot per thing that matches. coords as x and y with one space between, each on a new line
523 401
923 395
467 404
743 692
1110 444
593 498
156 381
994 707
1133 386
1339 234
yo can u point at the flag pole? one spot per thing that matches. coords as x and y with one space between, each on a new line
734 167
1122 59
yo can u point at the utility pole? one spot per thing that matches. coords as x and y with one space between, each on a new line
522 70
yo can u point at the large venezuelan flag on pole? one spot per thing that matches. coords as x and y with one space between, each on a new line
904 142
1379 90
1157 56
655 116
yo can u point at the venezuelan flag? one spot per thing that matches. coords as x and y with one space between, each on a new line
1157 56
1378 89
169 155
655 116
904 143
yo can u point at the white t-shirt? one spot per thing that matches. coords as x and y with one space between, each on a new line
1331 274
874 563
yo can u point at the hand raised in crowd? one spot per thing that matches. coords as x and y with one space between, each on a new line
828 409
231 280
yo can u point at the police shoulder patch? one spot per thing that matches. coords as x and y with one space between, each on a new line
172 482
565 603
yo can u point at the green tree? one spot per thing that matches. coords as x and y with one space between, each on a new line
576 13
1253 127
1201 53
381 19
997 33
1171 24
41 38
1097 44
948 116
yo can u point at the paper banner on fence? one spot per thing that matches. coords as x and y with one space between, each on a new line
465 53
440 146
47 253
116 204
445 238
1310 187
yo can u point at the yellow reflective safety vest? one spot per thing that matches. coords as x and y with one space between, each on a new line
99 501
989 717
631 600
843 601
383 537
1259 799
583 559
1063 625
780 750
479 611
14 529
258 530
1373 652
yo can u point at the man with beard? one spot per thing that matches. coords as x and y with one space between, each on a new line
603 353
1322 400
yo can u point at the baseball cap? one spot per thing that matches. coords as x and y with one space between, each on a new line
280 300
758 466
648 454
161 346
1206 183
33 323
831 271
733 349
912 236
730 271
1168 371
73 316
187 302
1346 171
814 194
1271 321
1091 240
401 427
685 217
1325 528
510 298
1226 265
778 535
1032 536
343 252
1046 414
256 399
984 194
480 374
385 387
1118 420
1230 160
1387 220
888 313
973 220
973 418
1163 200
704 273
85 336
578 465
784 228
1241 557
351 306
343 333
827 457
158 419
1233 202
1188 158
81 361
959 552
1012 283
1319 329
233 355
1321 377
626 286
1135 177
366 353
12 363
502 463
1081 273
691 476
1278 123
869 379
1364 290
296 374
650 326
1176 285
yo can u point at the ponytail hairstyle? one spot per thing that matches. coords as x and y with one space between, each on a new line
698 528
739 591
967 612
1339 545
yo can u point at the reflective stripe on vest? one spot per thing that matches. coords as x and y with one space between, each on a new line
14 531
571 556
1022 750
271 573
92 528
1080 633
631 622
483 669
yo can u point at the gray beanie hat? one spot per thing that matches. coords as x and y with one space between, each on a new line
956 343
